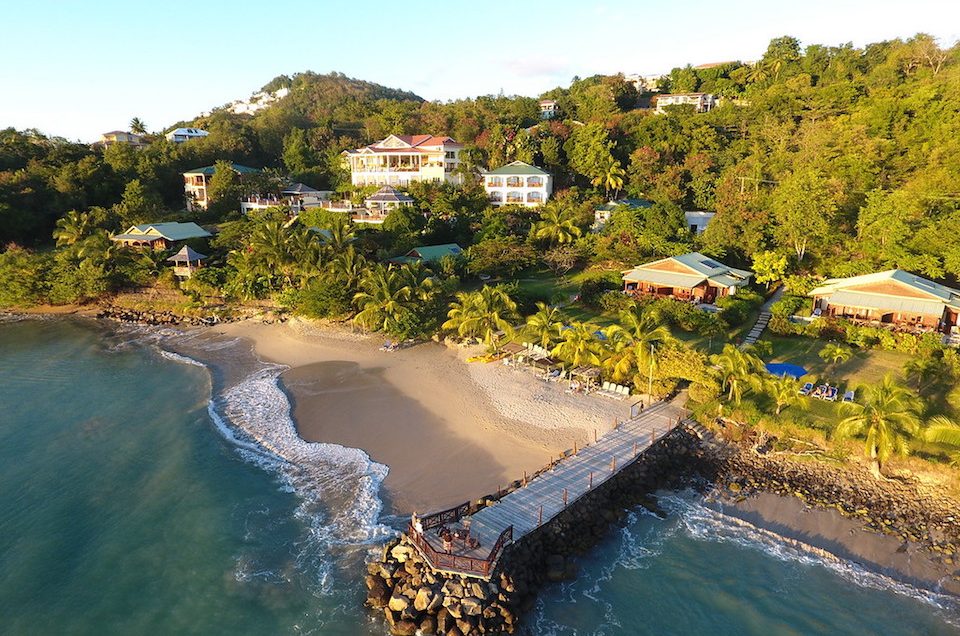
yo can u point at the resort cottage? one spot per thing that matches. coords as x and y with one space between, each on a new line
549 108
518 183
114 137
894 298
701 102
160 236
399 160
691 277
195 184
180 135
427 254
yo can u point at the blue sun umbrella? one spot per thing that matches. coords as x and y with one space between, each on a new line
783 368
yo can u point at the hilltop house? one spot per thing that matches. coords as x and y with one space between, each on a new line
518 183
427 253
892 298
160 236
113 137
399 160
195 184
180 135
702 102
549 108
691 277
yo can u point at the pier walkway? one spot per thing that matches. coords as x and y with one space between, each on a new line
542 498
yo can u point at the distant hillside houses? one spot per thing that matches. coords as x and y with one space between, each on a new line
400 160
696 220
180 135
113 137
702 102
195 184
518 183
549 108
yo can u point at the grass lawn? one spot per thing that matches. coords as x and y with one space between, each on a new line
863 367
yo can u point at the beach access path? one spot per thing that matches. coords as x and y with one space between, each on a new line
546 495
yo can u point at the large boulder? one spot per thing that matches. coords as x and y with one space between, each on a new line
401 553
398 603
471 606
404 628
423 598
379 594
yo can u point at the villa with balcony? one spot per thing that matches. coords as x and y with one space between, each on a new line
689 277
701 102
400 160
195 184
518 183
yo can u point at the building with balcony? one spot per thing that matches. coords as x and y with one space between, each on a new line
160 236
549 108
196 181
689 277
400 160
518 183
180 135
701 102
121 137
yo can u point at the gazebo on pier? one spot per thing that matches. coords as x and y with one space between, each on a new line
186 262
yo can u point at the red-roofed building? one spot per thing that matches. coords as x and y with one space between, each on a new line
400 160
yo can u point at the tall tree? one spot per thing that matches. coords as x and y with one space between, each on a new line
805 207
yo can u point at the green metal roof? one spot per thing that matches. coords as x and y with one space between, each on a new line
210 170
429 253
610 206
704 268
886 303
518 168
937 292
172 231
666 279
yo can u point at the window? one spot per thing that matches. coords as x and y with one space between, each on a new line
534 182
451 154
494 182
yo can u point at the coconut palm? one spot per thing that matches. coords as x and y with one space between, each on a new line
556 226
611 178
544 326
925 370
349 267
785 392
631 343
137 126
886 418
73 227
736 369
339 236
419 280
384 300
482 313
943 430
834 354
579 345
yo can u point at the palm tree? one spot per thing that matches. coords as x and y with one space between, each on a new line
886 418
735 369
137 126
925 370
835 354
556 226
339 236
611 178
631 343
784 392
73 227
349 267
384 300
943 430
482 313
579 345
545 325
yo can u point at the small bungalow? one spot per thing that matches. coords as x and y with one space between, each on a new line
427 254
186 262
892 298
691 277
160 236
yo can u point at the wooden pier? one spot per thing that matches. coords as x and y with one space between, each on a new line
537 502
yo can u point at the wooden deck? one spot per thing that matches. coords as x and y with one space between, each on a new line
546 495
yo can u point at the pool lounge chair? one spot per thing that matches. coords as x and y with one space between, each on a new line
849 396
806 389
831 394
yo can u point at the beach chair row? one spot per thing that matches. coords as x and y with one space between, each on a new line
616 391
826 392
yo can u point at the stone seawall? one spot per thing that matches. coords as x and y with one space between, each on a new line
413 597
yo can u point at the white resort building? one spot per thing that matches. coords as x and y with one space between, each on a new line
399 160
180 135
518 183
701 102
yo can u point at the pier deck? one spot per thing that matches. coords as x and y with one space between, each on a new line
546 495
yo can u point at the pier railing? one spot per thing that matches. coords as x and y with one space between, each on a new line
451 515
460 563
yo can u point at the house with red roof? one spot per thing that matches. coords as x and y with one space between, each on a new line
399 160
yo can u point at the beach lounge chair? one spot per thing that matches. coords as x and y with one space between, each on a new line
849 396
806 389
624 390
605 387
831 394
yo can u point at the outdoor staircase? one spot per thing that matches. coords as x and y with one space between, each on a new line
757 329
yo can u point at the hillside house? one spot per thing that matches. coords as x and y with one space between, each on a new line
518 183
196 181
690 277
702 102
400 160
160 236
180 135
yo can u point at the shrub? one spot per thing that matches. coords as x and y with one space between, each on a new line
614 302
788 305
323 298
595 285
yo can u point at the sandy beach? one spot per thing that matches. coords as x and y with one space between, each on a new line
448 430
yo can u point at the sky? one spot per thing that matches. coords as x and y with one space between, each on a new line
77 68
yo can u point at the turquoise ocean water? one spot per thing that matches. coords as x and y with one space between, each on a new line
131 504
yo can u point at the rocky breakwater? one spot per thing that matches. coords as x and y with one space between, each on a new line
155 317
414 597
916 515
